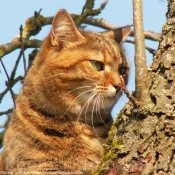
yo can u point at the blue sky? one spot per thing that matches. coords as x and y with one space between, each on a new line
14 13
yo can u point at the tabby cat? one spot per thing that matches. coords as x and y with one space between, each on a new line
62 115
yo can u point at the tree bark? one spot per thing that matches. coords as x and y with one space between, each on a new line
142 140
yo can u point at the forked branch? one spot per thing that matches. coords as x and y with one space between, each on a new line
9 85
34 24
88 11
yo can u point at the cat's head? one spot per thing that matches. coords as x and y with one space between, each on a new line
80 71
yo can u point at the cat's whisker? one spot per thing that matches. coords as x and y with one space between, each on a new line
97 106
103 103
76 89
75 99
99 98
92 115
125 97
54 75
86 104
89 103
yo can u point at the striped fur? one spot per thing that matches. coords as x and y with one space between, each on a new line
62 115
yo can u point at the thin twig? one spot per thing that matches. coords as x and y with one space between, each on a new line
32 56
9 81
34 23
102 23
6 112
15 44
16 66
84 7
2 94
16 80
99 22
152 51
43 21
130 96
22 49
104 4
88 11
150 35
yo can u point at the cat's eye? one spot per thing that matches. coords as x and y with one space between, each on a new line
97 65
122 70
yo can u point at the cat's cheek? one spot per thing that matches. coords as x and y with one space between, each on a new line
76 109
115 98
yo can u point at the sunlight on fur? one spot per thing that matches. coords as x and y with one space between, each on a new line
62 115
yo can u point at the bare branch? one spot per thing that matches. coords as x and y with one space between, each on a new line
99 22
13 82
84 7
102 23
142 91
15 44
104 4
9 81
22 48
88 11
15 67
150 35
152 51
1 138
32 27
6 112
32 56
34 24
130 96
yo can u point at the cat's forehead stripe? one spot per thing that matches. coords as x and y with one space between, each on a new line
103 49
112 50
98 56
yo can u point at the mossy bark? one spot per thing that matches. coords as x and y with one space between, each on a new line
142 141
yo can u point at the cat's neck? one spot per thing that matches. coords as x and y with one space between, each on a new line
98 123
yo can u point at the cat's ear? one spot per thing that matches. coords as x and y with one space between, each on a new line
119 34
64 30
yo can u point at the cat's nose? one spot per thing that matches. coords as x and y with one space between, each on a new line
117 86
115 81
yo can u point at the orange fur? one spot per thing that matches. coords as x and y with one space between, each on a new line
62 115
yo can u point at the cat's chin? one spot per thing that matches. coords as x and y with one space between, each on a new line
111 99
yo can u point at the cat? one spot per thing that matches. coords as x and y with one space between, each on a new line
62 115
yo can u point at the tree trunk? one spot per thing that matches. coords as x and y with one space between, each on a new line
142 140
